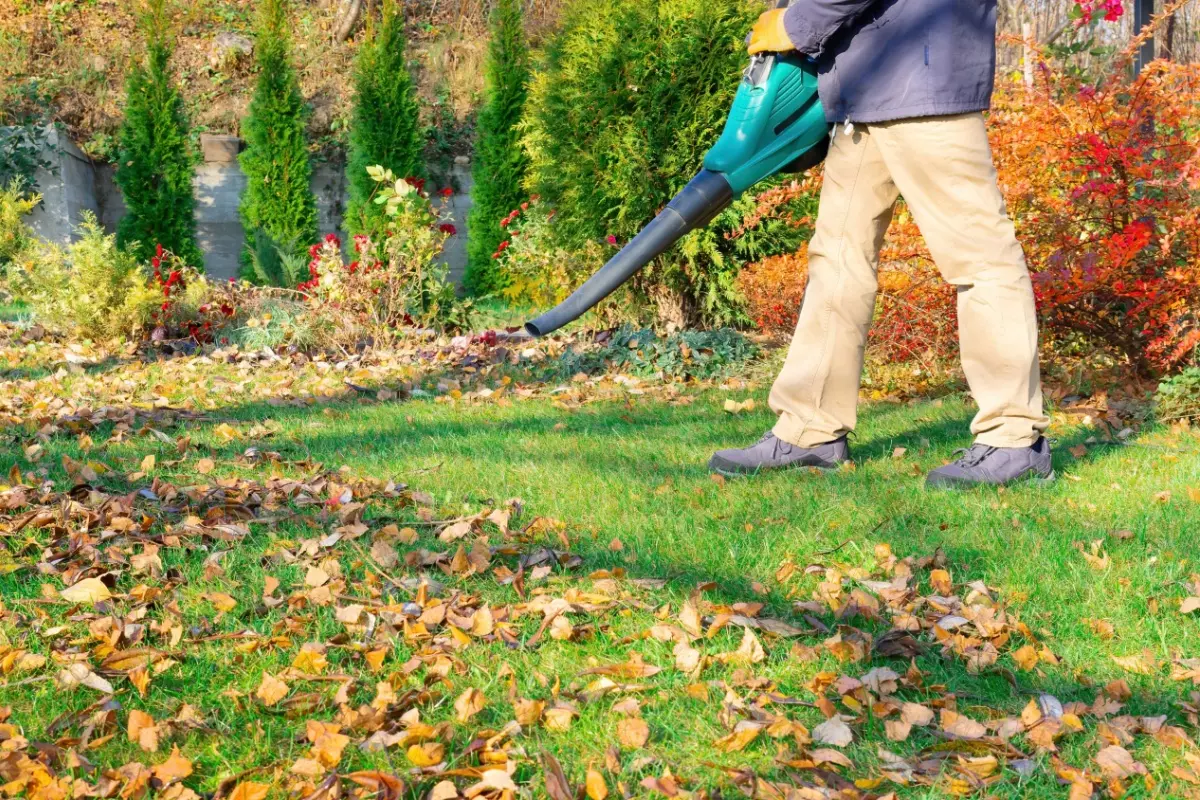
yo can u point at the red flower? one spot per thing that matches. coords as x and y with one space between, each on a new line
332 238
446 227
314 251
503 246
524 206
612 240
158 251
447 192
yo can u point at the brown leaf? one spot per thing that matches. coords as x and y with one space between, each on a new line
557 785
834 732
271 690
205 466
142 730
1116 763
916 714
939 579
1189 605
175 768
963 727
737 740
897 730
384 785
633 732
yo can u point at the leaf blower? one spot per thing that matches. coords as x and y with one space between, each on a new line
776 125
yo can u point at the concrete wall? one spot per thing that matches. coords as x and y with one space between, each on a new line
77 185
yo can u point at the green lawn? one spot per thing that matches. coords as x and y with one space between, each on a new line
624 485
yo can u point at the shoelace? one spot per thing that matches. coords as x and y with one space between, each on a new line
775 445
974 455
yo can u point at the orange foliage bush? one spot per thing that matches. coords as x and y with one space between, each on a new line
1103 185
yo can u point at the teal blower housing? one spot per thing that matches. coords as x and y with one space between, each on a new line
776 125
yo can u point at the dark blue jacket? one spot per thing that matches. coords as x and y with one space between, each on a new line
881 60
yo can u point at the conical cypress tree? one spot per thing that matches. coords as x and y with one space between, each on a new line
386 127
499 160
157 156
278 199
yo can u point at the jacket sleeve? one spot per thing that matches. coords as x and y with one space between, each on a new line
810 23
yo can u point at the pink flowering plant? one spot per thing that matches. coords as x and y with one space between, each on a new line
395 279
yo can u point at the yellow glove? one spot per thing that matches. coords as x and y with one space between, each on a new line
769 35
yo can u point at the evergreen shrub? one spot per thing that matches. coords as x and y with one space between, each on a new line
386 126
157 157
278 199
500 162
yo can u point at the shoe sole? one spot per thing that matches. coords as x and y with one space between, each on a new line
1032 478
717 469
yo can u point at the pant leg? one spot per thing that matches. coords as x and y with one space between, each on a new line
816 393
943 168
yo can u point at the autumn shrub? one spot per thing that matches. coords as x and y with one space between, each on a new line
93 288
278 199
1104 187
628 99
537 267
157 156
386 125
16 236
395 281
500 162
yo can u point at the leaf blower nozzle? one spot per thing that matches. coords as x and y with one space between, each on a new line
705 196
776 125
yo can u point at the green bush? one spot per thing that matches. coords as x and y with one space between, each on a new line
386 127
278 198
15 236
1178 397
629 98
157 158
276 264
93 288
500 161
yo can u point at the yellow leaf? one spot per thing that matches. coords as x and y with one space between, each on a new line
205 466
88 590
468 704
148 463
1026 657
597 789
427 754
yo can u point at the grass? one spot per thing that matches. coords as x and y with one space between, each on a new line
627 479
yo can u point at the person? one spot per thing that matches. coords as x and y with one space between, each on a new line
905 84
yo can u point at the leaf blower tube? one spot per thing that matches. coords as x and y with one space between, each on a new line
776 125
705 196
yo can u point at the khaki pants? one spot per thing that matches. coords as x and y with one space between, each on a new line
943 168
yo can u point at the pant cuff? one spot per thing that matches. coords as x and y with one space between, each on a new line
1007 440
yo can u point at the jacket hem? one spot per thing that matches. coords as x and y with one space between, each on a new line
907 112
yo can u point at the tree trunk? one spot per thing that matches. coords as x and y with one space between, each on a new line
1027 53
1168 46
351 10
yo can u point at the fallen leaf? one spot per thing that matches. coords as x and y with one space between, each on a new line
633 732
175 768
1116 763
468 704
426 754
271 690
205 466
597 789
834 732
88 590
963 727
250 791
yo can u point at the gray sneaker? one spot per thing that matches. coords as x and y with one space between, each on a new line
997 466
772 452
